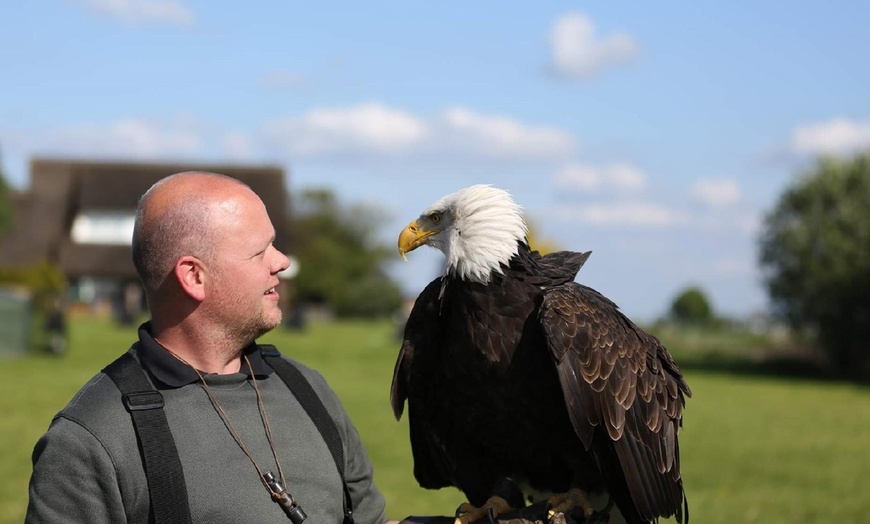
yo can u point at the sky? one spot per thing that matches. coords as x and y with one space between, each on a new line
657 136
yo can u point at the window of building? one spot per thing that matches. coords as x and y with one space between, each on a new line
103 227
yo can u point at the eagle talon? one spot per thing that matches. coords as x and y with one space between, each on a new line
462 513
572 499
467 513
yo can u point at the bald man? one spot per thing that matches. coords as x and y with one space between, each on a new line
203 248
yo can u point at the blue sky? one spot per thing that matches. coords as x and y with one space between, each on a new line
657 135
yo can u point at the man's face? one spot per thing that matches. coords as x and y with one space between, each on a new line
242 288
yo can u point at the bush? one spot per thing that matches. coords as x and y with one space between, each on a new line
46 284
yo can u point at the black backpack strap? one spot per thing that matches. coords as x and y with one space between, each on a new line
307 397
159 455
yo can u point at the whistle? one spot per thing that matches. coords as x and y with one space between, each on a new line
282 497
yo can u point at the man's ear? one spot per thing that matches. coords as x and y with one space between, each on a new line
190 273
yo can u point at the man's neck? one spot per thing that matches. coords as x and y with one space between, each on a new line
208 354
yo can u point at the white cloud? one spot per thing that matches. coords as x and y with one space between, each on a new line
623 214
369 127
127 138
374 129
717 192
579 177
166 12
237 146
626 176
577 52
621 177
496 136
835 137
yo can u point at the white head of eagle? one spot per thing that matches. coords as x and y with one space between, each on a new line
478 229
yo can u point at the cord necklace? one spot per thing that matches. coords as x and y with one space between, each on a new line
274 486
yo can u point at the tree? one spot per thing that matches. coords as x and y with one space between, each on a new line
691 307
5 202
340 262
815 252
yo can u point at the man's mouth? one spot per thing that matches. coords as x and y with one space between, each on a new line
270 291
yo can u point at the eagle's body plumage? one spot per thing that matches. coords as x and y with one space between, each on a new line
512 370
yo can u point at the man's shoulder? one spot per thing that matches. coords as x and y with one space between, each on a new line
96 404
314 377
317 381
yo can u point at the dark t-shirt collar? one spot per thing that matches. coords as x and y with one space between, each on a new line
175 374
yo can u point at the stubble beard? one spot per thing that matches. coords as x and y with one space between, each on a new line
257 327
247 322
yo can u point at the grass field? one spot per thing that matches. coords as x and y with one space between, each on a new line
763 449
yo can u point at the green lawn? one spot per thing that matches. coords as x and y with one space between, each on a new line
754 449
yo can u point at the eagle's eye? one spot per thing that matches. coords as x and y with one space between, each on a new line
435 217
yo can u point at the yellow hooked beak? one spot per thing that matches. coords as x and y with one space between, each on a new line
413 237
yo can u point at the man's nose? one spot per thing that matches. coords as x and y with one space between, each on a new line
282 261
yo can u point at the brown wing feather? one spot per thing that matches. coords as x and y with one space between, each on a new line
433 466
419 329
617 377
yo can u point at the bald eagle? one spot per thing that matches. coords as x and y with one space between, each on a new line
524 385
